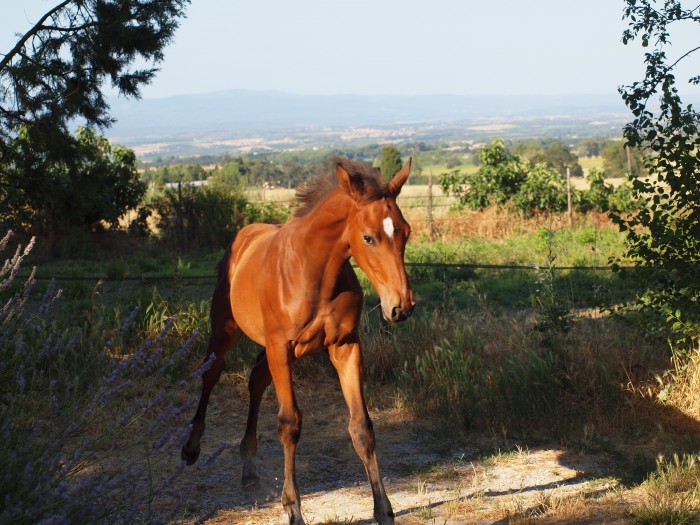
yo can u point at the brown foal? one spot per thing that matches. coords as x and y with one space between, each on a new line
291 289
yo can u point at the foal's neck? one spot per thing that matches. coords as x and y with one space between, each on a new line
323 235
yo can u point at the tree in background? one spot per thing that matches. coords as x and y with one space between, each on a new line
529 150
497 180
506 179
100 184
615 160
555 155
296 171
391 162
591 147
664 237
51 79
559 157
177 173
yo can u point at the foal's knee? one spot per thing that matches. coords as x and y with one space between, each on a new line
362 434
289 427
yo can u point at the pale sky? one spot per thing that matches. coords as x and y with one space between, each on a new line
392 47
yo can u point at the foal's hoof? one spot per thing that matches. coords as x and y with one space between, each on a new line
189 453
250 478
384 517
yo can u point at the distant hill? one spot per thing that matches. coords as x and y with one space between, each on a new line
237 111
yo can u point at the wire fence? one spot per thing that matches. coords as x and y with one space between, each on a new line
212 276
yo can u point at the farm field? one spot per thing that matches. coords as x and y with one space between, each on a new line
587 163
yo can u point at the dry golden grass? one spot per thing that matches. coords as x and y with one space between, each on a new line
494 223
684 389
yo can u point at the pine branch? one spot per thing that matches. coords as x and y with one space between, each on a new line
69 29
33 31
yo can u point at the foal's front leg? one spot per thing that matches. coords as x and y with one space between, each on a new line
347 360
280 358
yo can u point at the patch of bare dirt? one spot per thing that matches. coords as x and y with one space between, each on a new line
430 477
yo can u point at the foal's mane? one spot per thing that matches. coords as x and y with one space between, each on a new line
309 194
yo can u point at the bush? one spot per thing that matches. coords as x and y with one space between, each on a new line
267 212
68 398
542 191
196 218
99 184
208 217
599 194
605 197
498 179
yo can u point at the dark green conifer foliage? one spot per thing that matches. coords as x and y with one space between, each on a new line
391 162
52 79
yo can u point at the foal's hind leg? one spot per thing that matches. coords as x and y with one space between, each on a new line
260 379
224 334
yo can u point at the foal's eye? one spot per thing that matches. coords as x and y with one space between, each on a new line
368 239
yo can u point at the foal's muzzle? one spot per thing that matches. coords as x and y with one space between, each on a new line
399 312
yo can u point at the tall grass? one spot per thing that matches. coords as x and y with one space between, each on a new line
559 369
672 493
497 373
494 222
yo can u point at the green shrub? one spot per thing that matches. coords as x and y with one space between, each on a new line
267 212
498 179
208 217
543 190
196 218
69 396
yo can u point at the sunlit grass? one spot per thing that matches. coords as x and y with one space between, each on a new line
672 493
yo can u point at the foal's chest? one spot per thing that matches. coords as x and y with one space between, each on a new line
336 323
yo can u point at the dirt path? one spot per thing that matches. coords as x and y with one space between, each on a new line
442 479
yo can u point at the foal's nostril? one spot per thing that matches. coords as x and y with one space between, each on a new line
398 314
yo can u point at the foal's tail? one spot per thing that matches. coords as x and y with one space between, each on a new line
220 313
222 267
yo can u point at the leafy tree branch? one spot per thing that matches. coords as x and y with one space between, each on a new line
664 237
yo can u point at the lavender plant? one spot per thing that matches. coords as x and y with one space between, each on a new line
88 436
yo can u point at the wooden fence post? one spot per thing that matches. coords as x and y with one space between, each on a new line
629 159
180 220
431 230
568 196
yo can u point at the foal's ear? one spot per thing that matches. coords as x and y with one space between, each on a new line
394 186
352 185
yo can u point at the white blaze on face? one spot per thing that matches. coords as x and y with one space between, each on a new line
389 227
